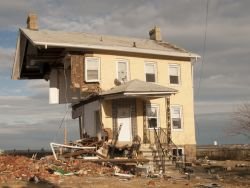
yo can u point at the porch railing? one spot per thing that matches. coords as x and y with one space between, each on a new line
158 136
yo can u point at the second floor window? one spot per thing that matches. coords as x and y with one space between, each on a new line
150 72
122 71
176 117
174 74
92 69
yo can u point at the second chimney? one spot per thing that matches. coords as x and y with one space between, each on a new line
155 34
32 22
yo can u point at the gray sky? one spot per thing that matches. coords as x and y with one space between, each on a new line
27 120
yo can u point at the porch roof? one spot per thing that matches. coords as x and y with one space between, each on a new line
138 88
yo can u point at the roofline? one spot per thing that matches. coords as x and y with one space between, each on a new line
115 48
140 93
149 93
112 48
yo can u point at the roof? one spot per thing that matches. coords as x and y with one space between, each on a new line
83 40
139 88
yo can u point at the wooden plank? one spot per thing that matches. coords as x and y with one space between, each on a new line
117 160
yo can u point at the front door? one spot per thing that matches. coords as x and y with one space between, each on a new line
124 120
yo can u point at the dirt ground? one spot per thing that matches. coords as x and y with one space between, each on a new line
22 172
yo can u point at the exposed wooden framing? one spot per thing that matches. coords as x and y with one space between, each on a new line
117 161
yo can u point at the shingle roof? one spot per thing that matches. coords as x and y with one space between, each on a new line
94 41
137 86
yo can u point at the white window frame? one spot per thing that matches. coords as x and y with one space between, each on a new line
86 68
158 115
179 74
181 116
128 70
155 69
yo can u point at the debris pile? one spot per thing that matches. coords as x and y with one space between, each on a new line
26 169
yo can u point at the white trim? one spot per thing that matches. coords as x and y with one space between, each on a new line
86 68
127 66
158 115
178 66
117 48
148 93
181 114
155 70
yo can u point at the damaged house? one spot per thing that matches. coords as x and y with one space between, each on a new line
118 86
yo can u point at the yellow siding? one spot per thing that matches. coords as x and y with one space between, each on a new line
184 97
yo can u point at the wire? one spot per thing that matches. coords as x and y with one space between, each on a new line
66 106
203 59
203 49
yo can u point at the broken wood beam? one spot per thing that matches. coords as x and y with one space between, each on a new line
117 161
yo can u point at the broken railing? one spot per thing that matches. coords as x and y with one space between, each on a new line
160 149
59 150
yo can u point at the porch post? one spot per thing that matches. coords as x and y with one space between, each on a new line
145 138
81 124
168 119
80 127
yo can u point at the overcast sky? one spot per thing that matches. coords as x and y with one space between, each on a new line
28 121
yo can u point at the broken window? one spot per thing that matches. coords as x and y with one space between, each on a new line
174 74
92 69
122 71
150 71
176 115
153 116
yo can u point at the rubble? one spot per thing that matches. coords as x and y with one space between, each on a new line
23 168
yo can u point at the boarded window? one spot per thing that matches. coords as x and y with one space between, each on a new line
152 116
92 71
150 72
176 117
122 71
174 74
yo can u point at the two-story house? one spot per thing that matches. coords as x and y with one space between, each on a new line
130 86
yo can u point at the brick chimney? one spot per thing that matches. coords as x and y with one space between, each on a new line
32 22
155 34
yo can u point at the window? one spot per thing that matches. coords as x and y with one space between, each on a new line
92 69
178 152
176 117
122 71
150 71
174 74
153 116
